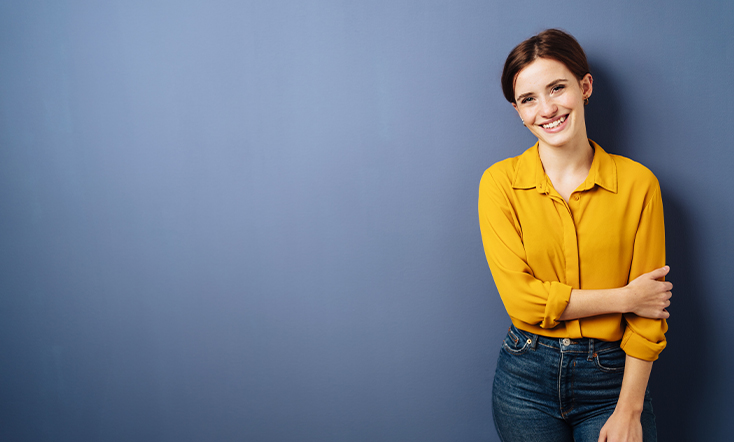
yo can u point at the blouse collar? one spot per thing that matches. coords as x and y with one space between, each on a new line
529 171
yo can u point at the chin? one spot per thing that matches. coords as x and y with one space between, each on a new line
559 139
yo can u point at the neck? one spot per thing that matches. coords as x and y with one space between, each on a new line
572 158
567 166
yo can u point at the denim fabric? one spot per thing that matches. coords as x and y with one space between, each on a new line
553 390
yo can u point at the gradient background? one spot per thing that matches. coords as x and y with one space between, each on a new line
227 220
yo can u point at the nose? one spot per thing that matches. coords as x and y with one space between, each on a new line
548 108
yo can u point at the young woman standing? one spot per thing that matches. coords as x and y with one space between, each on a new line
575 241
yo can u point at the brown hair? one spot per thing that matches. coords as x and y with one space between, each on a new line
551 43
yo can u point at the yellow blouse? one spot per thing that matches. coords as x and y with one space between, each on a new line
539 247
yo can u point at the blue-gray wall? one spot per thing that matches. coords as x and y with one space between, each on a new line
226 220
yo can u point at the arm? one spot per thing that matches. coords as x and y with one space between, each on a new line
643 337
525 297
624 424
647 296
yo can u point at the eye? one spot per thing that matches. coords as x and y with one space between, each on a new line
558 88
526 100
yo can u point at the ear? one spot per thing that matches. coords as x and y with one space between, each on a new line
518 110
587 85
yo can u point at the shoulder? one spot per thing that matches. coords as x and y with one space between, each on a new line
504 173
636 181
633 174
501 171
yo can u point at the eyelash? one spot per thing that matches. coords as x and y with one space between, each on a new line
555 89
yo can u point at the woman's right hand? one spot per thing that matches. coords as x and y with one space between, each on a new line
648 297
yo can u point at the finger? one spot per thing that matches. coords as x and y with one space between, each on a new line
659 273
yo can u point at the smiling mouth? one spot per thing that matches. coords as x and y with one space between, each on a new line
554 123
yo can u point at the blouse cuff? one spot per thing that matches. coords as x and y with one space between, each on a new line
638 347
558 299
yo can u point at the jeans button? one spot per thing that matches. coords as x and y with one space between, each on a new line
566 342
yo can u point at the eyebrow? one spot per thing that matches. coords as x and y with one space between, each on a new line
550 85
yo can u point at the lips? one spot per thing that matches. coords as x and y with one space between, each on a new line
555 123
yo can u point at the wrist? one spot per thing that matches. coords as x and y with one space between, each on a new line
625 305
629 410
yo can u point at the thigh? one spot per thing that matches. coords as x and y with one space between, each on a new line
524 394
589 429
597 384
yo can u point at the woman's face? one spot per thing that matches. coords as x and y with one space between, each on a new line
550 100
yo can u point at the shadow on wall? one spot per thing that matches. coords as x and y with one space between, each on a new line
677 382
604 113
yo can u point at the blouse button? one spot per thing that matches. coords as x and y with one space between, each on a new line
577 197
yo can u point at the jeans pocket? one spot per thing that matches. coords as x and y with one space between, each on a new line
611 360
516 342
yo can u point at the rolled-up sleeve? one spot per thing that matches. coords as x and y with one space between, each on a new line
525 297
644 338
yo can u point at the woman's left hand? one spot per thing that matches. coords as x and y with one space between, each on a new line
621 427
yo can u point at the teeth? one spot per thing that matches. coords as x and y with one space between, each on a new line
554 124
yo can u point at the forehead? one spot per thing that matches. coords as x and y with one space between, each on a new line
540 73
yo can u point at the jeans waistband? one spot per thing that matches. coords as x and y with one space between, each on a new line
590 346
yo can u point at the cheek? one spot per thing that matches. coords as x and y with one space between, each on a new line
573 100
525 114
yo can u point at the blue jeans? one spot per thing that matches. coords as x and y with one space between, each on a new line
554 390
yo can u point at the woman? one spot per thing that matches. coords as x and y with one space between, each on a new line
575 241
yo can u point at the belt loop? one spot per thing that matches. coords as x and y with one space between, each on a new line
591 350
534 341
